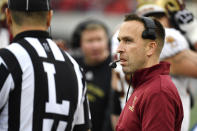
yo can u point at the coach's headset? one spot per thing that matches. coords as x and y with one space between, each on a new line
148 33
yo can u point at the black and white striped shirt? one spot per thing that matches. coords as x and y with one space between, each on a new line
41 87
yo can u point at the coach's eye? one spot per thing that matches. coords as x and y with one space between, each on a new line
127 41
118 39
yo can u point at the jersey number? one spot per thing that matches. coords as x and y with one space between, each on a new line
52 106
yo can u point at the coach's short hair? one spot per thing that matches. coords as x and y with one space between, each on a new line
159 29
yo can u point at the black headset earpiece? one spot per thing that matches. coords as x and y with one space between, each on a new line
149 32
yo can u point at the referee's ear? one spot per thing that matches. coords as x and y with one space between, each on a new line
8 17
49 18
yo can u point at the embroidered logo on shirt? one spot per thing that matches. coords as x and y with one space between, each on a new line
132 108
46 47
170 40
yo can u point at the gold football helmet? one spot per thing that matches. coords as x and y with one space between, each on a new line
155 6
3 5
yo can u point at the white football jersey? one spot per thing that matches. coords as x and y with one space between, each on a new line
174 43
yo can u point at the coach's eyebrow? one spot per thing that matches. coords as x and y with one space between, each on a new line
127 38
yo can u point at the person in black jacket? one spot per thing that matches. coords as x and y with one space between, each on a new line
92 39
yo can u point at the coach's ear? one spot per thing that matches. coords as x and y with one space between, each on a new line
151 48
49 18
8 17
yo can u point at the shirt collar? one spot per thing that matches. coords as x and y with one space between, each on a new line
140 76
35 33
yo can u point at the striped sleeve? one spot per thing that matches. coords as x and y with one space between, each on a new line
82 119
6 83
82 116
175 42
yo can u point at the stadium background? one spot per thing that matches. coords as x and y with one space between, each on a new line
68 13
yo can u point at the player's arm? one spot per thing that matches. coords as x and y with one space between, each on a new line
6 83
183 63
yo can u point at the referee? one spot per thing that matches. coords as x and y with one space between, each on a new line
41 87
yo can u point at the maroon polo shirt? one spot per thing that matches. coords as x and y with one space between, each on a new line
154 105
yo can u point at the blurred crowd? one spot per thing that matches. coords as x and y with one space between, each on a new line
108 6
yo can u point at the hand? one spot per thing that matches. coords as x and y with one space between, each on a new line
187 24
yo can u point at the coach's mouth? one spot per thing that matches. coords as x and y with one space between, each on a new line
123 61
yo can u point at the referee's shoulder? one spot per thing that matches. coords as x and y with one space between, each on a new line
16 49
9 49
75 63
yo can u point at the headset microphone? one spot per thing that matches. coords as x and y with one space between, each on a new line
113 64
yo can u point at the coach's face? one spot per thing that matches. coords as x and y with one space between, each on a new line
94 45
132 47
